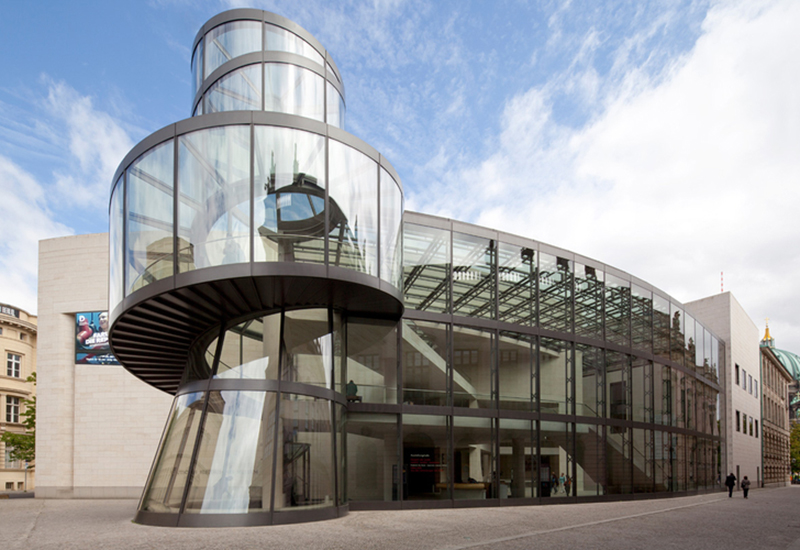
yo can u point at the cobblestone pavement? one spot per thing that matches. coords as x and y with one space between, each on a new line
770 518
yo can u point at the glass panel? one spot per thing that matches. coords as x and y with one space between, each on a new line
643 478
618 460
589 301
618 310
293 90
372 457
473 279
555 360
197 67
589 379
425 366
425 451
353 196
251 349
426 266
555 293
214 187
308 348
664 462
289 207
641 318
661 326
391 231
341 465
305 477
240 90
516 271
233 467
556 460
642 394
149 255
618 388
473 385
116 246
516 377
591 465
517 461
231 40
681 467
662 394
699 343
708 360
677 341
335 107
474 469
168 479
689 345
371 361
278 39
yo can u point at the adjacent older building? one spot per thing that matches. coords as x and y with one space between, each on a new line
18 334
777 380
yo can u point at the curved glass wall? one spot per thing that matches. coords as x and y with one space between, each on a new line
239 90
293 90
230 40
292 203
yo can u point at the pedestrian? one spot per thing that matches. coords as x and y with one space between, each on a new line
730 483
745 486
563 482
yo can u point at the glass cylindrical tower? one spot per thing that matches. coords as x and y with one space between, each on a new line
242 240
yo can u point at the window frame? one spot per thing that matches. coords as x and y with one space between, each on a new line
13 365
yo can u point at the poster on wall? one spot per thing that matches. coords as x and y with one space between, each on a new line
91 339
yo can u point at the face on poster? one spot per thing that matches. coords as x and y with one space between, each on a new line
91 339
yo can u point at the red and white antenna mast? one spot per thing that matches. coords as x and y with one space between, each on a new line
721 283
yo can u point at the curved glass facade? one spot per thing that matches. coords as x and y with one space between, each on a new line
330 352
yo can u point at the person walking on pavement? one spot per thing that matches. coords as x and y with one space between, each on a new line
730 483
745 486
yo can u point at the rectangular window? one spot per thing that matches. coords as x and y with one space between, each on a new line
13 464
738 429
756 428
755 388
9 485
751 425
22 336
744 379
737 375
12 409
13 362
750 384
1 331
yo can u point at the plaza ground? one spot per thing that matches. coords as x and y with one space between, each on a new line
770 518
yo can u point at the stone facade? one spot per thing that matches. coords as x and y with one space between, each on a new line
98 425
775 418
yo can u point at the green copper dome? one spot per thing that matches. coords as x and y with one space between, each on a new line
789 360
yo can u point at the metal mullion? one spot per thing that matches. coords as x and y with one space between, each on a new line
252 228
332 406
277 443
175 209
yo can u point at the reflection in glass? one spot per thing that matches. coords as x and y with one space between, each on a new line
391 231
289 207
372 457
473 279
214 209
474 469
618 460
555 369
518 463
556 460
516 276
278 39
425 457
590 381
239 90
230 40
115 245
251 349
689 345
335 112
641 318
149 223
589 301
426 267
197 67
425 366
590 473
642 394
293 90
473 381
353 239
305 475
662 394
618 380
664 462
233 466
661 326
171 469
308 345
677 334
555 293
618 310
516 375
372 360
643 474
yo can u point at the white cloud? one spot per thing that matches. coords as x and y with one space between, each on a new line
24 220
678 176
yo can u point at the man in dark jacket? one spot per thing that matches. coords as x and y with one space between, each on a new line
730 483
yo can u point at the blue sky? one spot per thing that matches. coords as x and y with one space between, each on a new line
661 138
